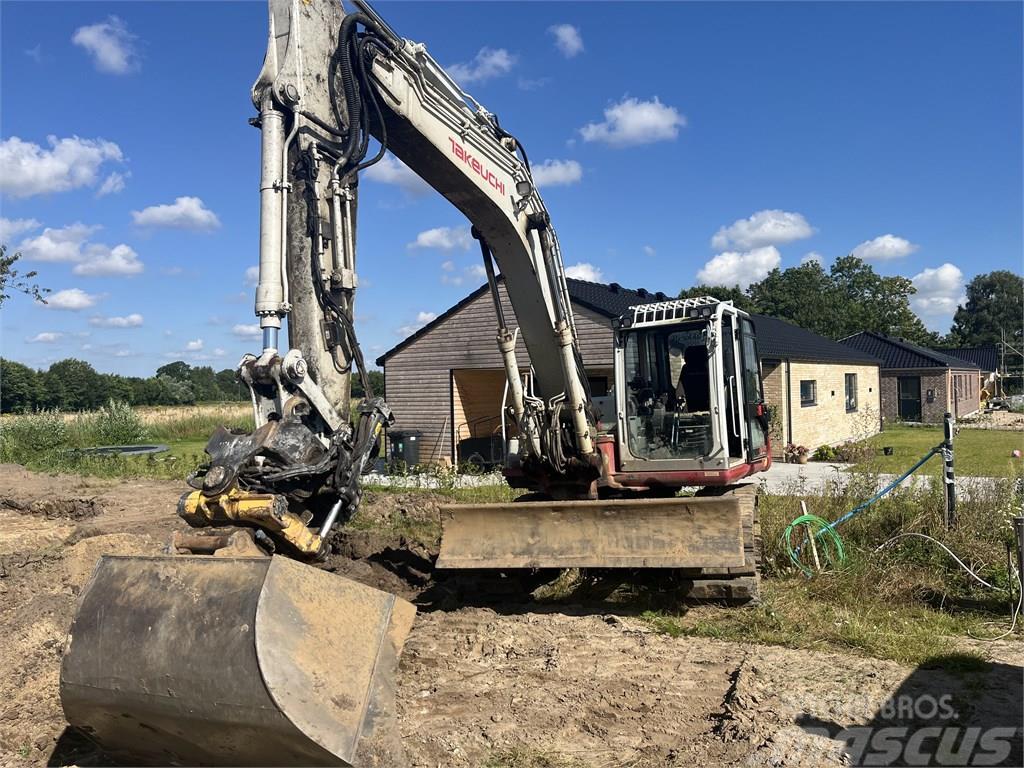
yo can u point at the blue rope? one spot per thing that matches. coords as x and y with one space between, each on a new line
889 487
794 553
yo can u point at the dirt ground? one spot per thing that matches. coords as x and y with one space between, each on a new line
504 681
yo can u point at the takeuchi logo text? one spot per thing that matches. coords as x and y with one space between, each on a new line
478 168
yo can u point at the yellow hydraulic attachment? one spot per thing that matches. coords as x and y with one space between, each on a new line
263 510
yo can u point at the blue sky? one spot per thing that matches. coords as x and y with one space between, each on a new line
687 140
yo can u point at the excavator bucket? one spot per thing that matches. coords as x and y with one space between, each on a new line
199 660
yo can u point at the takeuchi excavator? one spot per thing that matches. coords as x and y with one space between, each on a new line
234 648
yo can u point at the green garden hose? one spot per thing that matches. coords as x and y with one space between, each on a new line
827 541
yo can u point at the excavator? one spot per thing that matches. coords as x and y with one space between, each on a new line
233 647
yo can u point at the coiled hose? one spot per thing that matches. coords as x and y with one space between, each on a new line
826 541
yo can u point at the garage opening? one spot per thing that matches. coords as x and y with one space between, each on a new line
477 417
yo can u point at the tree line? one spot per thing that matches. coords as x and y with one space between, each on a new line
851 297
74 385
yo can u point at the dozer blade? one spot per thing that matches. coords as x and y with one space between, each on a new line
689 532
197 660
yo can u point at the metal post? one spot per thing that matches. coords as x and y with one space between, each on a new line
948 477
1018 529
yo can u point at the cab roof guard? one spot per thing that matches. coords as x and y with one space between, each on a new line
672 311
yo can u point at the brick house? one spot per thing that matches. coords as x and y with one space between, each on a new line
985 357
446 380
920 384
821 392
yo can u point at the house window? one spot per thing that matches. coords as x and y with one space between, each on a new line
808 392
851 392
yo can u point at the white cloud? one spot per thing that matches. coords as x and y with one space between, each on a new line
10 228
883 248
61 244
422 318
814 256
46 337
488 63
68 244
532 84
557 173
740 268
71 299
112 184
391 170
110 44
477 271
246 331
100 260
183 213
768 227
27 169
252 277
448 266
35 53
567 39
443 239
631 122
939 291
194 351
649 250
584 271
133 320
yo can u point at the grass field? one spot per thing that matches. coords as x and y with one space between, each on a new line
979 452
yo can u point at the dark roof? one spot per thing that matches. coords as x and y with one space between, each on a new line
900 353
609 300
785 341
775 338
986 358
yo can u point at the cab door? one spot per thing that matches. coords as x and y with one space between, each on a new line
752 393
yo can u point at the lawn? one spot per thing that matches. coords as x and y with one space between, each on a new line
980 452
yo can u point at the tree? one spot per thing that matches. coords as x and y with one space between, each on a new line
230 387
866 301
178 370
850 298
73 385
19 387
995 302
116 387
735 294
11 279
174 392
800 295
376 382
204 384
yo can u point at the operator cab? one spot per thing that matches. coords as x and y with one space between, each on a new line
688 392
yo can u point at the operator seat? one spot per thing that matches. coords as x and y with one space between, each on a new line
696 381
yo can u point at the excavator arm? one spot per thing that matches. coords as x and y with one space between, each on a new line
330 81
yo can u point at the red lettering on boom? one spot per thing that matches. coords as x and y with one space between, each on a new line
477 167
